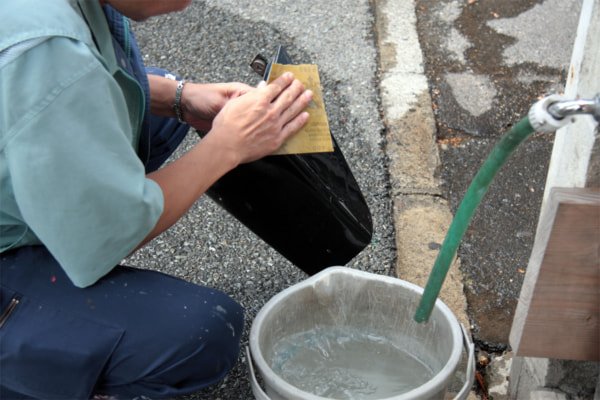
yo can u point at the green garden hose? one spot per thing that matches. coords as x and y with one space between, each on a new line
462 218
547 115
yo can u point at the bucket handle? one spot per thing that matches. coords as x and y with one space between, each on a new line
259 394
470 375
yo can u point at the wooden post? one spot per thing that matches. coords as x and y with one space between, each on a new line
556 307
563 309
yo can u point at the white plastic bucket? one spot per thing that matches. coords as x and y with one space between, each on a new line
381 305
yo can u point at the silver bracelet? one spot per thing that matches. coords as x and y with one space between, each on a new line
177 105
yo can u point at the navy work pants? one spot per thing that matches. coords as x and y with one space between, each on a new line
134 334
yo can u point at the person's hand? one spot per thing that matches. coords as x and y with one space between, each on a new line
257 123
202 102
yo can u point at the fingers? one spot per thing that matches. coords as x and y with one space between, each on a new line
287 95
291 101
275 88
294 125
298 104
257 123
238 89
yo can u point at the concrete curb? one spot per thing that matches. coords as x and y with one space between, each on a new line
421 216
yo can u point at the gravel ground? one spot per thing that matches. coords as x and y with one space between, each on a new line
215 41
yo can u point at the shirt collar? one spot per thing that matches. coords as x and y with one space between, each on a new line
96 20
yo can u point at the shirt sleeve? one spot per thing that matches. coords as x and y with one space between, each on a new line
77 180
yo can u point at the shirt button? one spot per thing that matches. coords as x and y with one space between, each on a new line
123 63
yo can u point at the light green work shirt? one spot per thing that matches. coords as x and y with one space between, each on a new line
70 178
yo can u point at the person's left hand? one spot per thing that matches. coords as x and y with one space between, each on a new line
200 103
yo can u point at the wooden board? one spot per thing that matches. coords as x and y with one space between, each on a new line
561 317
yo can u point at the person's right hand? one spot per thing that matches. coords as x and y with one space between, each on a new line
248 127
257 123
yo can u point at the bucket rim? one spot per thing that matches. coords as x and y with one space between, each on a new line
287 389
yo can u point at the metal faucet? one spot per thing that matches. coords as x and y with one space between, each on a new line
562 109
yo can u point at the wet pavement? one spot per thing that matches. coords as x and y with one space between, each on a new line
486 63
